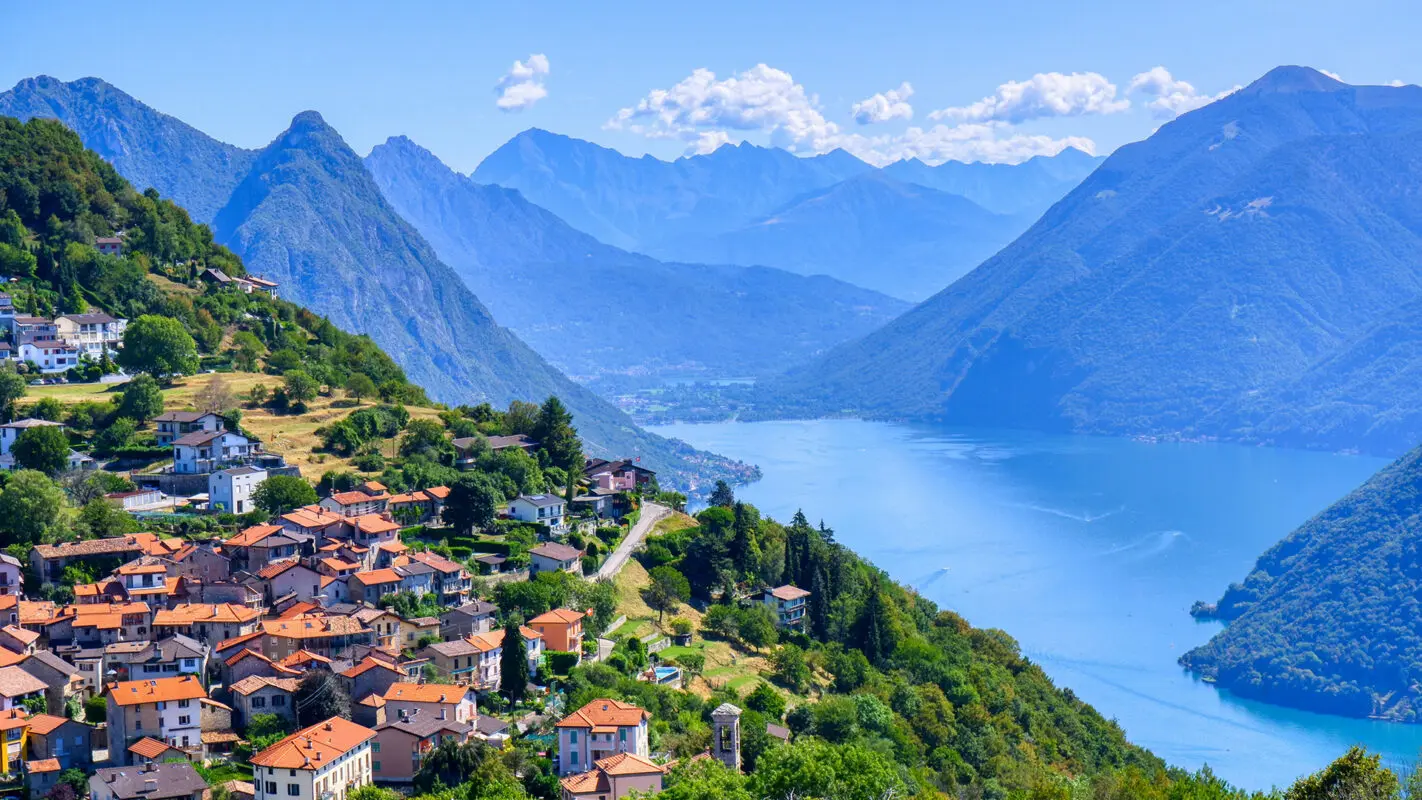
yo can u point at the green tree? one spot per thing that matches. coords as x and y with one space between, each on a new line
767 701
813 768
300 386
158 346
118 435
142 400
96 710
873 632
1356 775
246 350
320 696
705 779
268 725
102 519
668 589
359 386
472 502
279 494
757 626
791 668
450 764
44 448
722 495
12 387
556 435
423 437
513 662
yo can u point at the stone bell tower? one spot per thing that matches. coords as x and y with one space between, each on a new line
726 735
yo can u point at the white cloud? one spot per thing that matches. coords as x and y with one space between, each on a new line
523 85
1395 82
1049 94
884 106
1335 76
704 112
761 99
1169 98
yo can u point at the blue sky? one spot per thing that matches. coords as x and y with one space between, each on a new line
431 70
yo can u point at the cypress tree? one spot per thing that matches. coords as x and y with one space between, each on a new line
874 631
513 662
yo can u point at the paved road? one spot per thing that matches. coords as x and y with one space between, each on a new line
652 513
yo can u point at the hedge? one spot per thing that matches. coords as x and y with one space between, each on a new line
143 453
560 661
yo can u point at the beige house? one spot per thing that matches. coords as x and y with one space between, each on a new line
613 778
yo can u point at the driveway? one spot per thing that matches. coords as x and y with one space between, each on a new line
652 513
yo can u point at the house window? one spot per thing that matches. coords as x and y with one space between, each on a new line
293 789
622 734
375 747
185 720
271 787
278 702
259 702
377 766
573 739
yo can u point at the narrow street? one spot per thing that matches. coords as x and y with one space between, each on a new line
652 513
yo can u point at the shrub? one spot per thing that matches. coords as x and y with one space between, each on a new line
560 662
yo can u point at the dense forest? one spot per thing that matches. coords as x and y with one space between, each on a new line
1328 620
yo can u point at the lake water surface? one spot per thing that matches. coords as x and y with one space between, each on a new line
1088 550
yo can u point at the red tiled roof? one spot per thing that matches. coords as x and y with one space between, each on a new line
604 713
314 747
149 747
183 687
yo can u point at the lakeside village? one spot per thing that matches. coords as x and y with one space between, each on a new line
334 646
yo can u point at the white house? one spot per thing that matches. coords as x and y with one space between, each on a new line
10 431
555 557
50 355
91 333
206 451
322 762
230 490
544 508
11 577
173 424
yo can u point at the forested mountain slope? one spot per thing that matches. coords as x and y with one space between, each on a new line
1185 282
1328 620
306 213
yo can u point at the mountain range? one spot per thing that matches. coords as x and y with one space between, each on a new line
594 309
1328 618
907 230
1250 271
305 212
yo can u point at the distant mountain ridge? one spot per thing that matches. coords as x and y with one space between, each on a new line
1181 289
308 214
616 311
722 206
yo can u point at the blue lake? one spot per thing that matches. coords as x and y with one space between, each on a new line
1088 550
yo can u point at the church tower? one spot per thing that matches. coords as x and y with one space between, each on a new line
726 735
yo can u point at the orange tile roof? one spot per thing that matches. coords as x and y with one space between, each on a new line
558 615
313 628
338 565
425 692
604 713
374 486
189 613
628 764
366 665
303 657
788 592
374 523
141 569
14 718
43 724
438 492
312 517
314 747
437 561
23 636
236 640
352 497
43 765
183 687
148 747
299 609
9 658
587 783
375 577
142 542
393 547
252 535
252 683
35 612
373 700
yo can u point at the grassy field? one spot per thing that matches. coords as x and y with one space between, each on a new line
726 665
292 435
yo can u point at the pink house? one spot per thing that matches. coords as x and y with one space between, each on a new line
617 476
612 778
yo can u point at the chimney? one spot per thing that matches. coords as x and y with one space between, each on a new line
328 725
150 785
